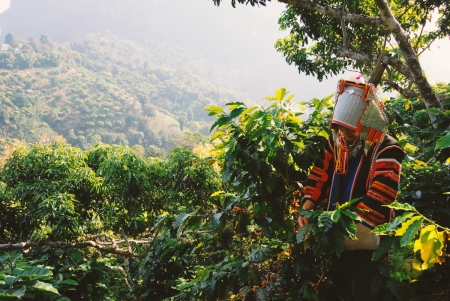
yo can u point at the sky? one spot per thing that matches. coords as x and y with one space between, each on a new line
4 5
435 61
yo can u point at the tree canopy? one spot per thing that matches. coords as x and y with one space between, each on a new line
327 37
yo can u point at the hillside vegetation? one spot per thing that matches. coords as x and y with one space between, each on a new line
217 223
101 88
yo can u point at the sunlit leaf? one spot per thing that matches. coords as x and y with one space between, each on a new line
405 225
213 110
249 110
401 206
216 135
349 226
430 245
347 204
46 287
443 142
280 93
381 229
413 226
234 104
351 214
407 105
335 215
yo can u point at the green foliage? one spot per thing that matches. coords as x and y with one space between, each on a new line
423 200
413 129
328 37
20 278
418 243
198 235
51 190
264 155
55 192
265 158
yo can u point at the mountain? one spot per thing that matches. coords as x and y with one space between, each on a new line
102 88
240 41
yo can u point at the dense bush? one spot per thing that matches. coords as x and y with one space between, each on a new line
111 225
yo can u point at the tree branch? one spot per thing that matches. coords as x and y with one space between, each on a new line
125 278
344 29
405 92
352 18
410 56
386 19
80 245
126 240
416 47
409 93
429 43
391 61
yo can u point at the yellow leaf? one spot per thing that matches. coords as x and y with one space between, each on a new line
280 93
295 119
412 267
300 144
430 244
249 110
217 193
405 225
424 233
407 105
217 134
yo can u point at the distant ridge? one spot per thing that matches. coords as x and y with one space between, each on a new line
102 89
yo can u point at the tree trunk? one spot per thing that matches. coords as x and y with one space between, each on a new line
429 97
415 71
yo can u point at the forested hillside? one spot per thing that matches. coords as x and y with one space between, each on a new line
101 88
238 42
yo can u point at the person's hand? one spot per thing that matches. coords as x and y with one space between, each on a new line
302 220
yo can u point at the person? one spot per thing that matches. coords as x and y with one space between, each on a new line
360 161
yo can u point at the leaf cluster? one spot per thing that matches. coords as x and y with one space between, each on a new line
22 279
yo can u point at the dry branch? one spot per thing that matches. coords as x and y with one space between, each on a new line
335 13
391 61
102 246
78 245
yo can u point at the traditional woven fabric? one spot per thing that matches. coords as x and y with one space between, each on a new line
373 177
370 168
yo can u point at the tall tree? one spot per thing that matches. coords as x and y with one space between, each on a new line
328 36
